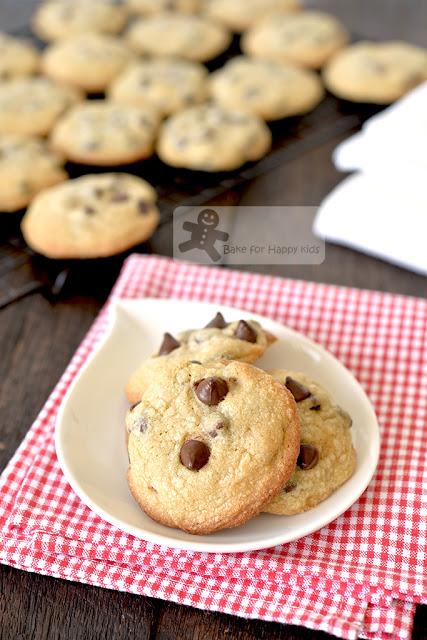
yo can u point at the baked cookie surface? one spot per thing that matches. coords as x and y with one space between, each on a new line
18 58
181 36
307 38
169 85
378 72
58 19
92 216
210 444
99 132
88 61
27 166
327 457
266 89
210 138
243 340
148 7
31 106
239 15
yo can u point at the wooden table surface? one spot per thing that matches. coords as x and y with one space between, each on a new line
38 338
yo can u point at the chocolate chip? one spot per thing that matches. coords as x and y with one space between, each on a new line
221 425
308 457
89 210
169 344
194 454
135 404
143 424
195 361
217 323
143 207
298 390
244 331
211 391
92 146
213 434
289 486
316 406
119 197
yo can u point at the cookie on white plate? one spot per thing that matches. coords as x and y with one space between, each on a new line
327 457
209 445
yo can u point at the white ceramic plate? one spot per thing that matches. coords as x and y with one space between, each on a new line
90 433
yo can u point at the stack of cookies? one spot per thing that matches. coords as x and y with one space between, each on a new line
122 80
213 440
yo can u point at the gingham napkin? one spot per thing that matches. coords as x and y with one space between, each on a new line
360 576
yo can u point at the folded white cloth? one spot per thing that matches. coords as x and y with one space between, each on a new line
364 213
382 210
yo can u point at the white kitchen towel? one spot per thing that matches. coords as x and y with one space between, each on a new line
384 220
382 209
394 140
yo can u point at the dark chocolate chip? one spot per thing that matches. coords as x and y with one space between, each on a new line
135 404
195 361
120 196
92 146
221 424
143 424
244 331
194 454
316 406
143 207
217 323
308 457
298 390
289 486
169 344
89 210
211 391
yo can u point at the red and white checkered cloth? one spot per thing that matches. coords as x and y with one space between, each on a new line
360 576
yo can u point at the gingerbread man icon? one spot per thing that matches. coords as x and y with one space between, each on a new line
204 234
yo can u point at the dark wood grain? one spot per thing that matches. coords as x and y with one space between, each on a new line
38 337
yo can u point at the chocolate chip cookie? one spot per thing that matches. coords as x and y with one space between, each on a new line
239 15
189 37
327 457
99 132
266 89
18 58
148 7
244 340
378 72
88 61
308 38
27 166
210 445
211 138
57 19
31 106
169 85
90 217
